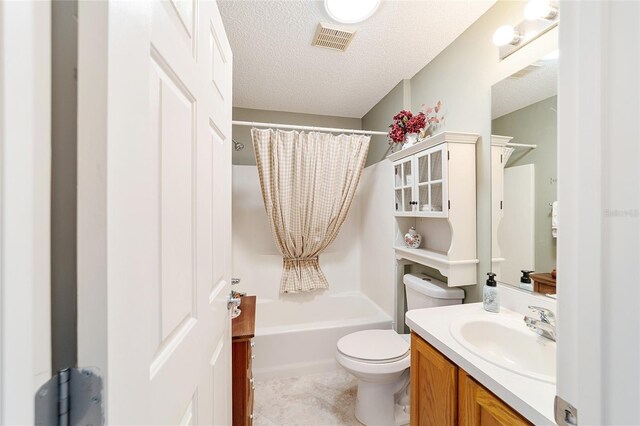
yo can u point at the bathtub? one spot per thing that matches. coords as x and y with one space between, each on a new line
295 337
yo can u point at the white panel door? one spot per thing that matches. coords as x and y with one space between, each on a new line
25 182
154 209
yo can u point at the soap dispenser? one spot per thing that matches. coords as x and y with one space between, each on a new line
525 281
490 295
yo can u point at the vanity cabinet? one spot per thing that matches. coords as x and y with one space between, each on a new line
420 183
444 394
433 386
479 407
243 331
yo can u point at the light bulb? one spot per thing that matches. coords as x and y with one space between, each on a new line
350 11
539 9
504 35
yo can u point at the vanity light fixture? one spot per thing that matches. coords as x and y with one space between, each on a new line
350 11
505 35
541 16
539 9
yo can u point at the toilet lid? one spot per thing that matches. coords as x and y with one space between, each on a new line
374 345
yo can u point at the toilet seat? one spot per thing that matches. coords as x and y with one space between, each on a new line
374 346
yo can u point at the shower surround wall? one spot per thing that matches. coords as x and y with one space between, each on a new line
257 260
359 266
359 260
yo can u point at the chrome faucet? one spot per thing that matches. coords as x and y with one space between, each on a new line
545 325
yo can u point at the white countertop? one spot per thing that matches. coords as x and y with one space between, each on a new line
532 398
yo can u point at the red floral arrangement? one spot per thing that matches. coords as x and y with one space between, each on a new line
405 122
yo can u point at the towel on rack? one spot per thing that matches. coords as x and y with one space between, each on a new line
554 219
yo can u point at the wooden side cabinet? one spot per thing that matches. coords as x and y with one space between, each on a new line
243 331
543 283
443 394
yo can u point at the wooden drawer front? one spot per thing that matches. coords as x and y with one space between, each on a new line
479 407
544 289
433 386
250 388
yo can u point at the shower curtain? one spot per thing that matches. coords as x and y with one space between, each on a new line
308 181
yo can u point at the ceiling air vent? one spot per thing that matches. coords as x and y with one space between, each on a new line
332 38
526 71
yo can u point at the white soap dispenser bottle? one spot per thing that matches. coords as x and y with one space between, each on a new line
491 299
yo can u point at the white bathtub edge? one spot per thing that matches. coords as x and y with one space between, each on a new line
296 370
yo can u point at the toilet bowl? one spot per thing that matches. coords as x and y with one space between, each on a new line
380 359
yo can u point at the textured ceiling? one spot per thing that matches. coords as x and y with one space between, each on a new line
514 93
276 68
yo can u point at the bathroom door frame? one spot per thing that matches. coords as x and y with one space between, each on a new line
599 211
25 166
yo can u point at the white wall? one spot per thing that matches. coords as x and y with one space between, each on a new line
361 258
377 259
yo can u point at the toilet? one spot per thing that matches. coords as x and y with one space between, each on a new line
380 359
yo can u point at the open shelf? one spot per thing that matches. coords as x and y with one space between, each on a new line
459 272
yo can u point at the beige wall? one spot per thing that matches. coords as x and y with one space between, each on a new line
242 134
379 118
461 76
537 124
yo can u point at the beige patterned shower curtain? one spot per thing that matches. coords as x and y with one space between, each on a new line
308 182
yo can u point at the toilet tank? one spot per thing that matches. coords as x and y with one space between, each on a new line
426 292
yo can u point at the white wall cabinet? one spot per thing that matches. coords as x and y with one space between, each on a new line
420 188
435 192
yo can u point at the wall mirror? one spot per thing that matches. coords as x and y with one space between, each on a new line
524 176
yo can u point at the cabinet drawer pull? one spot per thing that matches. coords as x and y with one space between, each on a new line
253 344
253 356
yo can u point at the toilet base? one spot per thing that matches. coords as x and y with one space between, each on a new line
376 402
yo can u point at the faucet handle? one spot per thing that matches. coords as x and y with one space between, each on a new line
545 314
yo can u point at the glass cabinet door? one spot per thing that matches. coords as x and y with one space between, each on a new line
419 183
424 197
431 168
403 185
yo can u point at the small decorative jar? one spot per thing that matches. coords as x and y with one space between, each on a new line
412 239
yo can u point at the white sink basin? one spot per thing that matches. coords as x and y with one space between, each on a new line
508 343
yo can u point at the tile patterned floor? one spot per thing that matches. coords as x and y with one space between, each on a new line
325 399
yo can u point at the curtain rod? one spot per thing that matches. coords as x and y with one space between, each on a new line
294 127
522 145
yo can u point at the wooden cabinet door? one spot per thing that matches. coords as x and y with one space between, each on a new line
477 406
433 386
